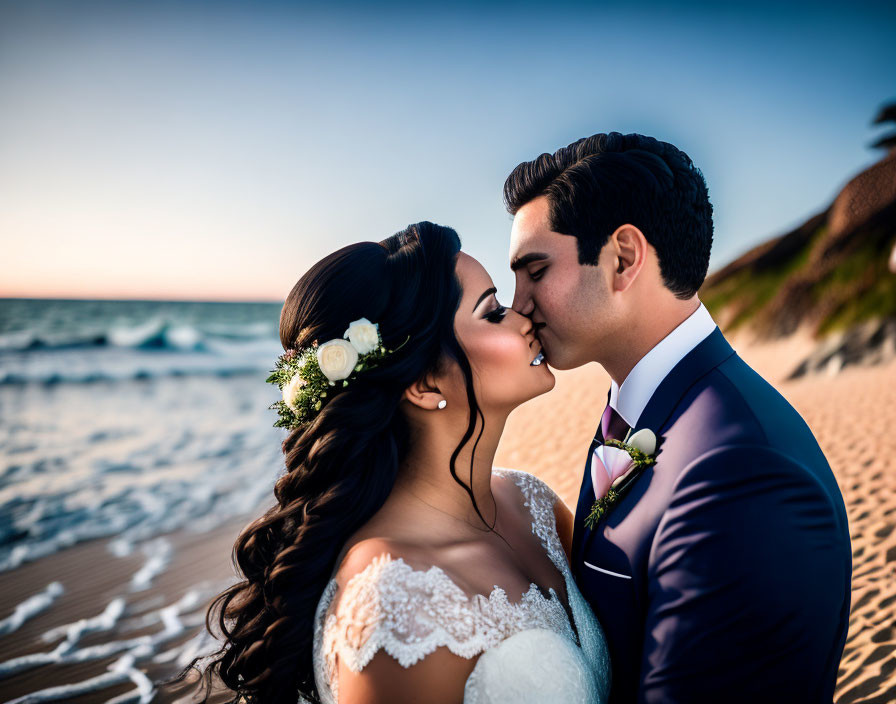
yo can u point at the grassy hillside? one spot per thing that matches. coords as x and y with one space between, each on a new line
831 281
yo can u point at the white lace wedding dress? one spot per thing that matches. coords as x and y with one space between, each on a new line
528 650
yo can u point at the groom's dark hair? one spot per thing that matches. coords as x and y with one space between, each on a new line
604 181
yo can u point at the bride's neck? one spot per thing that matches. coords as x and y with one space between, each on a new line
425 477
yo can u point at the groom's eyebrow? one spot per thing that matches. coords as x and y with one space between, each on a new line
520 262
485 295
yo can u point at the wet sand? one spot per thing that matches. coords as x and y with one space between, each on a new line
852 415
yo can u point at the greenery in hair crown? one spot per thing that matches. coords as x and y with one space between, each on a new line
307 376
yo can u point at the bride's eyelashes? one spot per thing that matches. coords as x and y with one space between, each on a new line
496 315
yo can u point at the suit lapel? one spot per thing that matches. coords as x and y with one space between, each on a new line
586 498
705 357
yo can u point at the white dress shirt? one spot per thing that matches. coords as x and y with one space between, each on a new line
631 398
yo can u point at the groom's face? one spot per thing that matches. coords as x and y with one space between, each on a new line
565 300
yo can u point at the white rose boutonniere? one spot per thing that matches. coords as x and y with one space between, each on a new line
364 336
337 359
614 467
644 440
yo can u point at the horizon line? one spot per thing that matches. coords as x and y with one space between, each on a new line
139 299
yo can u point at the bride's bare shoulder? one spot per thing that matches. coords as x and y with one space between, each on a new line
363 553
381 558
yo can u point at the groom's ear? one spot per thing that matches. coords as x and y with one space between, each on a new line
629 248
424 393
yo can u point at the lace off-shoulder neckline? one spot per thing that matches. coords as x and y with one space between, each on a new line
411 612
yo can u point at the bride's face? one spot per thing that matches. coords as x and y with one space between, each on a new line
499 343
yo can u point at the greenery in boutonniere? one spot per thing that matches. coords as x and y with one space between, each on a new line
600 507
639 457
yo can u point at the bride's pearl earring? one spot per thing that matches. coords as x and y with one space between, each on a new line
442 404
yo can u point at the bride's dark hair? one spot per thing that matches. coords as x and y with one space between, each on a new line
341 467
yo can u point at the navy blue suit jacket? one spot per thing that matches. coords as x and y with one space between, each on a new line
724 574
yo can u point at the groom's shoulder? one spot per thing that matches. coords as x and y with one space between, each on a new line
737 404
733 421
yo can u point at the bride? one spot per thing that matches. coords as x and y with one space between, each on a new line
398 565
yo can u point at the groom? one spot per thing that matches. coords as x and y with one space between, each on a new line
722 573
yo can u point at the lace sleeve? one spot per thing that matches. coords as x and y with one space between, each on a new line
408 613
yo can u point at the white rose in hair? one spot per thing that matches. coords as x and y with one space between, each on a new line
363 335
292 390
337 359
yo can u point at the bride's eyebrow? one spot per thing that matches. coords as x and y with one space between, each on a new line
485 295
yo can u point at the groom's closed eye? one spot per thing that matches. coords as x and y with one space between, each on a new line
536 275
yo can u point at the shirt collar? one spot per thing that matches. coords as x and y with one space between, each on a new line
632 397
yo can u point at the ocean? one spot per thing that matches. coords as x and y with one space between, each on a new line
127 420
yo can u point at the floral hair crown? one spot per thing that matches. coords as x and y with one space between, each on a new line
306 376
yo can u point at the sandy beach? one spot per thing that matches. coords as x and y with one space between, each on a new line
850 414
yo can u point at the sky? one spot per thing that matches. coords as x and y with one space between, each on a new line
215 150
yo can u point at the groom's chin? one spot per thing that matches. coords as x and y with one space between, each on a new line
549 360
552 358
559 362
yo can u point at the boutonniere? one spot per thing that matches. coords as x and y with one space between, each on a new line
614 467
